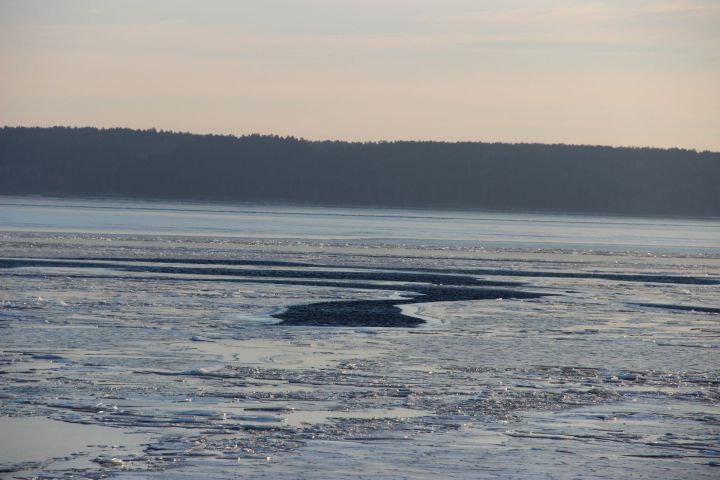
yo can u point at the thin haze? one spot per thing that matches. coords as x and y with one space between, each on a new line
611 72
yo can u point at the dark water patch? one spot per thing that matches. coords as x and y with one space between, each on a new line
620 277
432 275
269 409
239 279
386 313
685 308
369 313
46 356
374 276
41 262
198 261
5 305
428 287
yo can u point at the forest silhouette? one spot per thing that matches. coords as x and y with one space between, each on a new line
151 164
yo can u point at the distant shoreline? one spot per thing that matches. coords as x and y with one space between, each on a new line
150 165
379 141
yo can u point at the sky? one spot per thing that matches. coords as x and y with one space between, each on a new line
610 72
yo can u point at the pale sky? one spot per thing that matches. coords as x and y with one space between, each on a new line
615 72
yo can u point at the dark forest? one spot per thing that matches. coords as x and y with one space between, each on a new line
151 164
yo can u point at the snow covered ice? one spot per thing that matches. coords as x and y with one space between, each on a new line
147 352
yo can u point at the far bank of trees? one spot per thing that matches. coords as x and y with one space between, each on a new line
469 175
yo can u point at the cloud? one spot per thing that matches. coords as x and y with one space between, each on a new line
640 26
689 22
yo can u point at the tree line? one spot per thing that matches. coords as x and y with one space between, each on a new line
125 163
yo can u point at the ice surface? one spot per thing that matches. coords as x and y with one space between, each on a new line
33 443
147 372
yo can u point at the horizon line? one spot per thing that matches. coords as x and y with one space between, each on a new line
358 142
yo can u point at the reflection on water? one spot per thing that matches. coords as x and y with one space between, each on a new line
32 442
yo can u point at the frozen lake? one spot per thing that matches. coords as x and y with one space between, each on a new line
160 340
362 226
